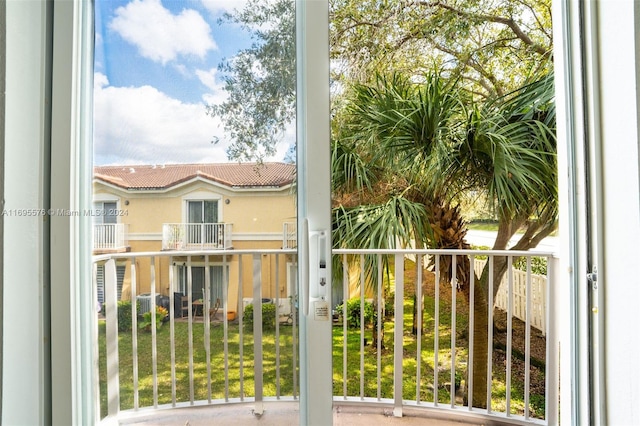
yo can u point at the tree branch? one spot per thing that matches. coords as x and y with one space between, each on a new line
509 22
535 16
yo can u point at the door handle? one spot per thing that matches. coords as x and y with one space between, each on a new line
315 255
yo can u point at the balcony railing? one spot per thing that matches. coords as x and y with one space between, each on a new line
400 362
289 235
110 236
196 236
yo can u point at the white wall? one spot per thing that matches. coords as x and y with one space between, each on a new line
25 341
621 194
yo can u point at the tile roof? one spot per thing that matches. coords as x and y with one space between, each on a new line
234 175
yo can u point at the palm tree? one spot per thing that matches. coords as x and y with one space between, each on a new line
411 146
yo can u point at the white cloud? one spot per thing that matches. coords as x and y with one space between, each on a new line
217 95
219 6
182 69
100 80
143 125
208 78
288 139
159 35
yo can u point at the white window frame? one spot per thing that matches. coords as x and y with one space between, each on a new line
314 200
49 45
597 80
60 379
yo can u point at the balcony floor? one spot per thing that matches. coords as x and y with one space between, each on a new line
286 414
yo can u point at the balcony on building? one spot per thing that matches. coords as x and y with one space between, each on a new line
110 238
197 236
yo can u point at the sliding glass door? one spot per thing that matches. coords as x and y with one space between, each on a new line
217 110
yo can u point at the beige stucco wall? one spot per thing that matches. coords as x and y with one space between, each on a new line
260 213
146 214
248 211
257 219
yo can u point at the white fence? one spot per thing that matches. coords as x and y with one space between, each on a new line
519 308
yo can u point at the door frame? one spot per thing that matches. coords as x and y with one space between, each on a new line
314 202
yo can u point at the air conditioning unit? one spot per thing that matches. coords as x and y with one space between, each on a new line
145 302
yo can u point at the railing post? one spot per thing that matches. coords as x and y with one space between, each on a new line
471 332
398 330
285 236
113 374
108 235
134 333
190 327
154 333
552 361
257 333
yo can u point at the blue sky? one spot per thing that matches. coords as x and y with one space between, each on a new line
155 71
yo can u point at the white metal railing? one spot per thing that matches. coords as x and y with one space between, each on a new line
538 297
435 368
289 235
198 362
200 359
110 236
196 236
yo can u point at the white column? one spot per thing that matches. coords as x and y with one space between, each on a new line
619 281
314 198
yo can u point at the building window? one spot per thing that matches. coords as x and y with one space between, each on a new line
198 282
205 211
202 219
120 271
105 212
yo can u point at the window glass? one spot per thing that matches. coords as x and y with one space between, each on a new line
194 135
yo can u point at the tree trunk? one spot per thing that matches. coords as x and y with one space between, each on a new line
480 344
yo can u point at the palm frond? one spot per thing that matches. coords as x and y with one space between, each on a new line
349 170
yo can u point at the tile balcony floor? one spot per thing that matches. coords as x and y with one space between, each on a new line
286 414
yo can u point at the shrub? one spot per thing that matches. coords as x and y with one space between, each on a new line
353 312
125 320
145 322
538 265
268 316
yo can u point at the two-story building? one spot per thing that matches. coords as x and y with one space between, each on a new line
195 207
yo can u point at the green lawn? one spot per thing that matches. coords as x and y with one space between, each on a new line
246 388
145 364
410 358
